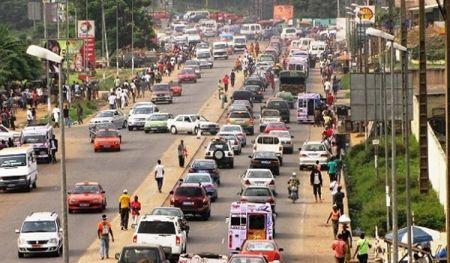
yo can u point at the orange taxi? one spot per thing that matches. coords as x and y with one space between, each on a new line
107 140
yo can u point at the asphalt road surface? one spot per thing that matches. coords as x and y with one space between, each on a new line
115 171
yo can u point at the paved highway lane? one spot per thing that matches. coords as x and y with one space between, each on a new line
115 171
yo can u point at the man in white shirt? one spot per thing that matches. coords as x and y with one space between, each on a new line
159 175
29 116
56 113
112 101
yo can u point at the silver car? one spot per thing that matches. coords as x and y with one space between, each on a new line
115 117
234 141
258 194
258 177
285 139
311 152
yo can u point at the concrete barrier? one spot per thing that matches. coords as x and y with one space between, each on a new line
436 166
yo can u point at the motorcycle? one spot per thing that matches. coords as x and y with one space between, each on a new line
293 193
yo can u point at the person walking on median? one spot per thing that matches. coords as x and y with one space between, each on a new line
338 199
159 175
56 115
79 114
347 237
124 209
225 81
332 170
334 216
66 116
103 231
135 211
340 249
362 249
53 148
316 182
29 117
182 153
232 78
220 88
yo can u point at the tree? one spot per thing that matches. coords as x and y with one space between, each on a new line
315 8
15 64
14 14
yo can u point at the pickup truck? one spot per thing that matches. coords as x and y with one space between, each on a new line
292 81
191 123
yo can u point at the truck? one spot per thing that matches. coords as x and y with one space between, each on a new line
292 81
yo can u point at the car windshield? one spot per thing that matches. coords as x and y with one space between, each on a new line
156 227
104 134
256 192
265 155
259 246
166 212
220 46
187 71
159 117
198 179
13 160
164 87
244 259
204 164
204 55
259 174
218 146
252 88
191 63
104 114
313 147
135 255
146 110
189 191
33 139
239 115
270 113
81 189
38 226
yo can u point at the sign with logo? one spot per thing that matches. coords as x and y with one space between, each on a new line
365 14
283 12
86 29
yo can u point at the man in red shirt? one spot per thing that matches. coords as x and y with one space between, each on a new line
225 81
340 248
330 99
104 230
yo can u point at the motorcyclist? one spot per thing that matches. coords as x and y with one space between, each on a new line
293 182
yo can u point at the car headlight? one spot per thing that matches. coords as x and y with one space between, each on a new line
96 201
72 201
53 241
21 241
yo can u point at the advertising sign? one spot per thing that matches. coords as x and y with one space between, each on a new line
86 29
71 51
283 12
365 14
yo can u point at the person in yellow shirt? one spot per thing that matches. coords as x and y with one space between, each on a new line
124 209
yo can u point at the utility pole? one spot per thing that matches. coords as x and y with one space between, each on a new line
117 38
447 116
132 38
67 20
366 108
104 34
47 73
393 166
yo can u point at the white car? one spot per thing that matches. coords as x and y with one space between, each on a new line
239 43
237 130
115 117
138 116
258 177
40 233
221 151
6 134
165 231
191 123
286 140
234 141
220 50
288 33
268 116
269 143
311 152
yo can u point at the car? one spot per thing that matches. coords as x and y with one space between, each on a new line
240 258
237 130
263 66
205 180
220 50
86 196
161 93
286 140
38 136
18 168
206 166
242 95
173 211
281 106
288 97
191 199
157 122
243 118
311 152
238 107
136 253
138 116
107 140
258 177
258 94
187 75
268 116
267 248
115 117
176 88
40 233
233 140
269 143
6 134
192 123
259 194
275 126
161 230
221 151
266 160
196 69
248 104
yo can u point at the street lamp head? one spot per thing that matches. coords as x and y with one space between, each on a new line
354 5
396 46
350 13
378 33
43 53
350 9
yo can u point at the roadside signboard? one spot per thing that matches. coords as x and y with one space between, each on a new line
283 12
365 14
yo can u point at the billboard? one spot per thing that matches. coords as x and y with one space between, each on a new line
71 52
86 29
365 14
283 12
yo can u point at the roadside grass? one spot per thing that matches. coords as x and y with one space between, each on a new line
89 108
366 192
345 81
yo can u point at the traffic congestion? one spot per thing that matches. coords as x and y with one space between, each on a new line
245 114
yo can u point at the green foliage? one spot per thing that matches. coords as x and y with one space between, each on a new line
14 14
315 9
435 45
15 64
345 81
89 108
367 192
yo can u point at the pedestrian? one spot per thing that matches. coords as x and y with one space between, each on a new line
338 199
135 211
53 148
124 209
219 88
182 153
334 216
79 114
318 166
362 249
223 99
66 116
347 237
159 175
29 117
332 170
104 229
316 182
232 78
225 81
340 249
112 101
12 119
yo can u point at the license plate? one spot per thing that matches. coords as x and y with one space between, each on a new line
265 162
106 146
202 171
260 183
188 203
84 204
35 245
11 185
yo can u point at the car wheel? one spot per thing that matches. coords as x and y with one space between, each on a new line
173 130
206 215
20 254
29 186
281 161
195 81
35 184
146 131
118 149
170 101
58 253
124 125
196 130
130 128
277 171
232 164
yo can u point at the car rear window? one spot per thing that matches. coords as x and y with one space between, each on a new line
270 113
204 164
189 191
135 255
156 227
268 140
277 104
238 221
257 192
257 222
242 115
259 174
260 246
243 259
314 147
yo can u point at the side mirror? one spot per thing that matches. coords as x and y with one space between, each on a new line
292 136
300 148
281 249
227 220
250 156
171 192
117 256
17 231
180 180
103 192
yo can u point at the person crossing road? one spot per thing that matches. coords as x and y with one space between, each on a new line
124 209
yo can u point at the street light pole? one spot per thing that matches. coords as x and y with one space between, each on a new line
393 153
132 38
117 38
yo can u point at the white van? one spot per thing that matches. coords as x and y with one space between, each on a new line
288 33
269 143
251 30
316 48
220 50
305 42
205 58
18 168
239 43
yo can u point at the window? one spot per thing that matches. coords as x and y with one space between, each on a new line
135 255
204 165
106 134
105 114
240 115
302 103
260 246
314 147
180 118
259 174
238 221
187 119
81 189
189 191
218 146
257 222
38 226
33 139
257 192
156 227
268 140
13 160
198 179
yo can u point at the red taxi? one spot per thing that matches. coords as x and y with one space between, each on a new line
106 140
276 126
86 196
268 248
187 75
